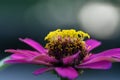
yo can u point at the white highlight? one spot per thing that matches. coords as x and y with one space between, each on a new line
2 64
99 19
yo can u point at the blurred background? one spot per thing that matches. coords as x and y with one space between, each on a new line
35 18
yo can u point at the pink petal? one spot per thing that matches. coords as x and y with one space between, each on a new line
91 44
70 59
45 58
97 65
100 58
67 72
20 54
42 70
33 44
15 61
110 53
31 57
104 58
40 57
41 62
19 51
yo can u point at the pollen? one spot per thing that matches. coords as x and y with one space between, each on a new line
62 43
57 34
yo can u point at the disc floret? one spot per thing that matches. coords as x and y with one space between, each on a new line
62 43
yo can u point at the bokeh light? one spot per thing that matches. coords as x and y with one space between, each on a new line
100 19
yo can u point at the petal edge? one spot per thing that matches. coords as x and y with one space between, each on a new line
67 72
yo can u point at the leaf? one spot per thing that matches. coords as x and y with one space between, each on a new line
2 64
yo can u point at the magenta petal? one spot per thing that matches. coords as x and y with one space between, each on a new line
44 58
19 56
16 61
19 51
67 72
100 58
109 53
70 59
42 70
33 44
30 57
91 44
113 54
41 62
97 65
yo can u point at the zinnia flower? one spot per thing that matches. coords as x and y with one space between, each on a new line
66 53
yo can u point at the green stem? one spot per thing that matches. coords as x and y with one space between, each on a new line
61 78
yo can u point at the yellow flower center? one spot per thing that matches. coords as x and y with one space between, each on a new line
55 35
62 43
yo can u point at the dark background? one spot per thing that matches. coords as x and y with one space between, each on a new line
33 19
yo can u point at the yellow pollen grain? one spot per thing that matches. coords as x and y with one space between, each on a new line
71 33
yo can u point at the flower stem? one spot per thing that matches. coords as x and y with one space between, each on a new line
61 78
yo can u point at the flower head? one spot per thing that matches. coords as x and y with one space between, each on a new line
65 43
66 52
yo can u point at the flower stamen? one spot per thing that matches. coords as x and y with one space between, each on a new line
63 43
